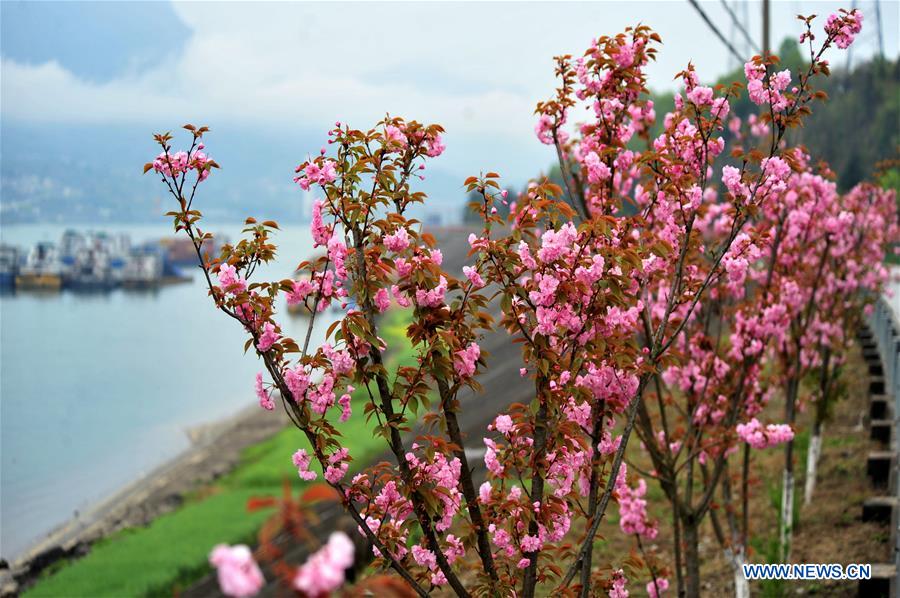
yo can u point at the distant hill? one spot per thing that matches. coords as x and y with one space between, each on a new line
91 174
857 127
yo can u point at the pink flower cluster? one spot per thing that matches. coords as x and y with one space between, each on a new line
320 173
268 338
426 558
337 465
237 572
397 241
301 460
179 163
265 399
767 90
633 511
464 360
229 279
435 146
658 587
844 27
759 437
433 297
439 472
618 585
473 276
321 233
325 571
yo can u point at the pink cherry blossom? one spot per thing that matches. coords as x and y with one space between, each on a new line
758 437
237 572
503 424
394 136
265 399
325 570
464 361
658 587
618 585
320 233
844 27
436 147
230 280
633 511
473 276
337 466
268 338
432 297
344 402
301 460
397 241
382 300
301 290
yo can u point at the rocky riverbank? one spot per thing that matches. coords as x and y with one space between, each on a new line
216 449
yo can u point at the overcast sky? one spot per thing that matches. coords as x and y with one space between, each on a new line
287 68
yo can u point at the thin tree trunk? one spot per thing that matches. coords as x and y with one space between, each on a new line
734 550
812 461
787 482
529 580
815 443
736 559
692 557
676 524
787 508
587 566
467 485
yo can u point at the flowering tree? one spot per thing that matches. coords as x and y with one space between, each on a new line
864 228
776 287
839 270
688 443
604 284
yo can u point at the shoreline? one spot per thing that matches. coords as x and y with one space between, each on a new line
215 449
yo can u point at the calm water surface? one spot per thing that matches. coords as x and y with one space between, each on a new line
97 390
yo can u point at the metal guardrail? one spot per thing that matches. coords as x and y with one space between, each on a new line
884 322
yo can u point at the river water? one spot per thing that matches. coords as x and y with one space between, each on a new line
96 390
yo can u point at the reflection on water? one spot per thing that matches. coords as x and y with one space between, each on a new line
98 388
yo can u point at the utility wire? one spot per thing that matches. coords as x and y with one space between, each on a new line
737 23
715 29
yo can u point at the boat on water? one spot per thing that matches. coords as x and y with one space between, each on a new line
143 270
9 266
91 271
42 270
180 252
94 262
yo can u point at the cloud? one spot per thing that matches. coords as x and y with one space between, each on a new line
478 69
48 93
